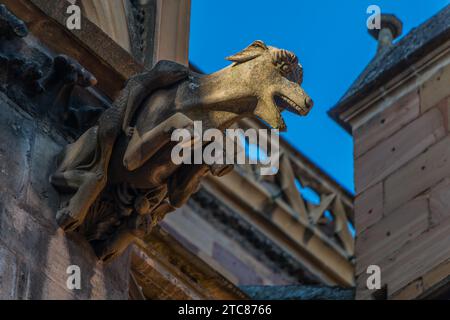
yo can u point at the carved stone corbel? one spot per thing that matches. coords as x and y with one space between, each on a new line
10 25
118 179
65 75
42 84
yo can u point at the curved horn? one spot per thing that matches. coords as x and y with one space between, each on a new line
251 52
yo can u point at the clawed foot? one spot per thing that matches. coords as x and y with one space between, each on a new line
66 220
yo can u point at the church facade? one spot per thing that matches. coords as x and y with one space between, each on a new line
237 236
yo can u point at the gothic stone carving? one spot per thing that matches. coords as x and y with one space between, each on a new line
10 26
43 84
118 177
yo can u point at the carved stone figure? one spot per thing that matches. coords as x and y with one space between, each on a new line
10 25
67 73
119 177
45 85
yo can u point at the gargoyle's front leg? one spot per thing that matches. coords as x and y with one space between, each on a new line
77 174
88 176
143 146
88 185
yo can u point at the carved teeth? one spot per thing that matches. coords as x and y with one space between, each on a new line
295 106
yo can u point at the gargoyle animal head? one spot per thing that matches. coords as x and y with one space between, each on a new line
275 77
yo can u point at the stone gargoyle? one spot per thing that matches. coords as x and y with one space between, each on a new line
118 177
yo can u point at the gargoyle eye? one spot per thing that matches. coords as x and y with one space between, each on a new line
286 68
294 74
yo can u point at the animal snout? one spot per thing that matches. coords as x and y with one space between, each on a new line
309 103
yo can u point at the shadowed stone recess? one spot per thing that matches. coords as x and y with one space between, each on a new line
39 95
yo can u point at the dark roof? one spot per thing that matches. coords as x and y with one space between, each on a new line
298 292
428 36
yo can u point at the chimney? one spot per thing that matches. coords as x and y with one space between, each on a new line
391 28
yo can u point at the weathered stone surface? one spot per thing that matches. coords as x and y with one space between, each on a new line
419 174
440 202
396 115
394 152
244 274
402 150
89 45
435 89
411 291
160 283
368 207
364 293
436 275
391 233
216 241
444 107
34 253
49 85
183 222
12 276
134 182
298 292
417 257
10 26
14 146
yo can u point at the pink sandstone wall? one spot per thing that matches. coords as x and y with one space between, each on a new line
232 258
34 252
402 180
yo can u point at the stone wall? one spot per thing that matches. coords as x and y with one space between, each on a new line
232 246
402 179
34 253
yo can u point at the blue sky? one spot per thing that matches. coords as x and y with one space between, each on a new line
332 43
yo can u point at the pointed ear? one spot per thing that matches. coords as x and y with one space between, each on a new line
252 51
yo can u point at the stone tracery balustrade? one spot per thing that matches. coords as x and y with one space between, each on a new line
331 214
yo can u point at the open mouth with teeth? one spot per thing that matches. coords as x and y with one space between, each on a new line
284 103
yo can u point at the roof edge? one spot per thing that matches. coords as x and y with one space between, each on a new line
386 75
